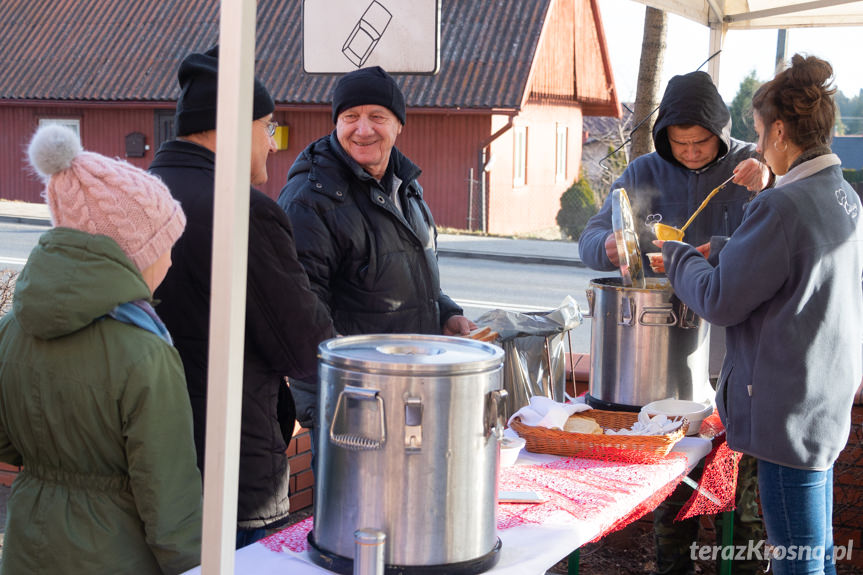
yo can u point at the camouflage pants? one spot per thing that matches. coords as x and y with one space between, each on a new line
674 538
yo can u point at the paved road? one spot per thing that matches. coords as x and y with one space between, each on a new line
481 285
17 239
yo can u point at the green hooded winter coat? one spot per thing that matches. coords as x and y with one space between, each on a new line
98 414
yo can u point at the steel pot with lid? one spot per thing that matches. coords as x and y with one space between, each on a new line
645 344
408 446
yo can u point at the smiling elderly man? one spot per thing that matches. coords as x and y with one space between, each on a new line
363 231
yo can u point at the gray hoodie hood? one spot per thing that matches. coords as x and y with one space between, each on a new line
691 99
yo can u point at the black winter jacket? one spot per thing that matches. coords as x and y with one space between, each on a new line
284 324
374 266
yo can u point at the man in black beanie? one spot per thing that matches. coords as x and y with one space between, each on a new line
285 322
364 234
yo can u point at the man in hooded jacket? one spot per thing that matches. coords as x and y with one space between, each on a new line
694 154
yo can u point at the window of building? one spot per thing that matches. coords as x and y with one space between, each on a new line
519 175
560 155
164 128
73 123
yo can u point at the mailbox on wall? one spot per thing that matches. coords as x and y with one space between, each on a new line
135 146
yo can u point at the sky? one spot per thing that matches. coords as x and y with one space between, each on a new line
744 50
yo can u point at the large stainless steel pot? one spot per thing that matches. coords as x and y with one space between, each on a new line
408 445
645 345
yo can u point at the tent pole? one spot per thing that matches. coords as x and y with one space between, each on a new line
781 50
717 41
228 300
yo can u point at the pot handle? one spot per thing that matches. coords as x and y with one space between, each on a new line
413 424
352 441
688 318
494 413
590 295
627 311
666 313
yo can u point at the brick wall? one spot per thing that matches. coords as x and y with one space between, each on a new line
848 492
302 475
8 473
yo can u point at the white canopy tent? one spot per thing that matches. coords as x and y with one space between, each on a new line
751 14
230 242
724 15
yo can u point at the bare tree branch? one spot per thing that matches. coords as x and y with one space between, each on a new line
649 76
7 289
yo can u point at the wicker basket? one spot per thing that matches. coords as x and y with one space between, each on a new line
599 446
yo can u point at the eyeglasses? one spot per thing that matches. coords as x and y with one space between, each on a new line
271 128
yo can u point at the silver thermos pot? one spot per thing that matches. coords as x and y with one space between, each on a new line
408 445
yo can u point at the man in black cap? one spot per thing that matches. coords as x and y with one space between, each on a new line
364 234
285 322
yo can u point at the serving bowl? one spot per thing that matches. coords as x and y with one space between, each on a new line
694 411
510 447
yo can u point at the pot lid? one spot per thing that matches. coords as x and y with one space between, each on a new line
411 354
631 267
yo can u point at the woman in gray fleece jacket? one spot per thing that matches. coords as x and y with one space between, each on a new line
788 288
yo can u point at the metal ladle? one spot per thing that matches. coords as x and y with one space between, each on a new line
670 233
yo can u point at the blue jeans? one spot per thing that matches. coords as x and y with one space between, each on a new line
798 515
249 536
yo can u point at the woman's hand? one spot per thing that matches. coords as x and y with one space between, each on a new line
752 174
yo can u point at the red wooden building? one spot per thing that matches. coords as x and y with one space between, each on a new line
497 132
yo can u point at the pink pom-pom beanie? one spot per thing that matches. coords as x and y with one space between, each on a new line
99 195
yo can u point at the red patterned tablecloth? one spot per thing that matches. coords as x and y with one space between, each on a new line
719 479
604 493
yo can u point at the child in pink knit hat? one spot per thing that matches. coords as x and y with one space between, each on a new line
98 195
94 401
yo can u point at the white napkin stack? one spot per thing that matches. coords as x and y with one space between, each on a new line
545 412
645 425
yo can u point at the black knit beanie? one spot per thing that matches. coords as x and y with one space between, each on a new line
199 79
368 86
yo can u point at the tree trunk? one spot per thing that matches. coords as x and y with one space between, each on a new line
649 76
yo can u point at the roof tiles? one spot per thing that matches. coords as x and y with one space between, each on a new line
129 50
